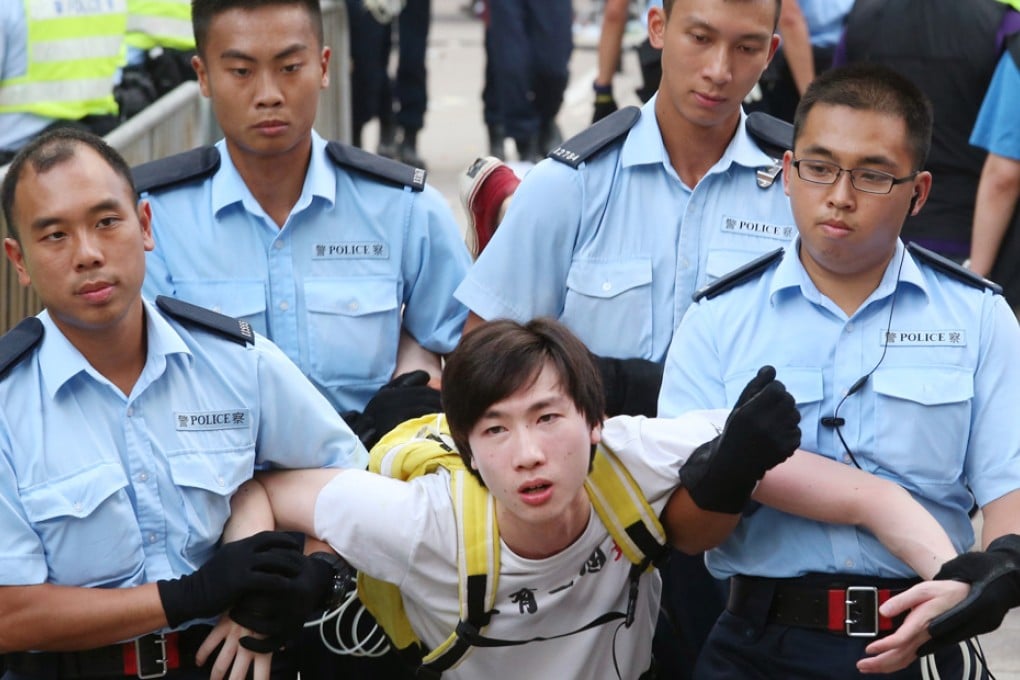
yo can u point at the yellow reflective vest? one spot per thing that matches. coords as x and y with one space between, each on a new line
160 23
74 50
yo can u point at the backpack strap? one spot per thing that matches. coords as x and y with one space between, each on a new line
749 271
17 342
385 169
183 167
228 327
599 136
951 269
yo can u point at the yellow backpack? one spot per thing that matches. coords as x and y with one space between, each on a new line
421 446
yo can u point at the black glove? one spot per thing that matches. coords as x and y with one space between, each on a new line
604 102
760 433
631 386
994 578
280 614
265 561
405 397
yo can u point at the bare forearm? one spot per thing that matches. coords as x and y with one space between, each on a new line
250 512
59 618
691 529
1000 517
614 23
998 191
292 495
797 45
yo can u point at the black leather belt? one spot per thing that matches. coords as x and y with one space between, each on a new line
842 604
150 656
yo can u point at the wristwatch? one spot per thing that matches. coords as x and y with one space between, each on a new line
343 578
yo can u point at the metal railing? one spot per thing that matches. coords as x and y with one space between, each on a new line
182 120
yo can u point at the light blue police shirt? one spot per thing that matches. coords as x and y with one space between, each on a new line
355 259
825 19
616 248
100 489
937 415
16 128
996 128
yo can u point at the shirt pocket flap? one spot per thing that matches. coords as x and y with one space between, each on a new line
608 279
77 496
928 386
233 298
359 296
219 472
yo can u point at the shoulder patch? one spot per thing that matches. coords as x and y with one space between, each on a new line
773 135
16 343
589 142
177 169
225 326
738 275
386 169
950 268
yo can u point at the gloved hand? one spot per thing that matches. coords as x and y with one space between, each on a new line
631 386
280 614
405 397
604 102
265 561
994 578
760 433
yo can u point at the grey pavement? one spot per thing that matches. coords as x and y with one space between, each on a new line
455 135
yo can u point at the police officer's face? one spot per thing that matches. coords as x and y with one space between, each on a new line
82 244
533 450
713 52
263 70
844 231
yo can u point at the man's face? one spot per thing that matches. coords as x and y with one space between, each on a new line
713 52
533 450
263 70
83 242
845 231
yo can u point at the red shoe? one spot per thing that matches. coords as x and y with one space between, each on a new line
483 188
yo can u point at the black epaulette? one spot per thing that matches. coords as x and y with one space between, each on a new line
177 169
385 169
738 275
950 268
773 135
589 142
15 343
226 326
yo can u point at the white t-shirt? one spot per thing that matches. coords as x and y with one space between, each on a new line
405 533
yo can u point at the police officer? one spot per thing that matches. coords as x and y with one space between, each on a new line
902 364
44 79
126 428
330 251
614 234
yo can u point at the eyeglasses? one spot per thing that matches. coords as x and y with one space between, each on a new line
862 179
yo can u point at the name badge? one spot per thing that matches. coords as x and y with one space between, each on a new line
235 419
352 250
933 338
779 232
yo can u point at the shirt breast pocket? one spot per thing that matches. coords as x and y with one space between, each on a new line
353 328
87 526
240 299
922 421
609 304
206 481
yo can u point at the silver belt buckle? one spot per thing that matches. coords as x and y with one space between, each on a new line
141 656
861 611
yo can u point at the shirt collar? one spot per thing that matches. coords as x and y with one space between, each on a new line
60 361
229 188
790 274
644 144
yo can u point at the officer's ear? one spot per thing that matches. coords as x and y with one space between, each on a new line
657 27
203 75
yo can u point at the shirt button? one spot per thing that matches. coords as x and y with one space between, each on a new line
353 306
152 538
850 327
849 562
130 411
221 481
846 458
284 306
684 263
607 286
143 477
217 308
278 245
78 506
